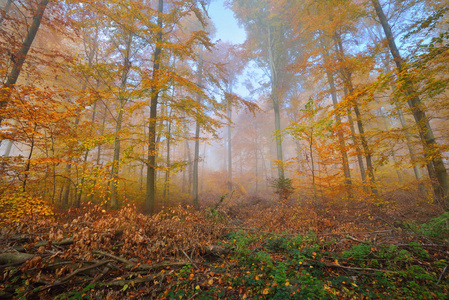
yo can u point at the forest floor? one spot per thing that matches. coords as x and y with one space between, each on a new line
248 249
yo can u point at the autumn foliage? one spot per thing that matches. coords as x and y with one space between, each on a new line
143 157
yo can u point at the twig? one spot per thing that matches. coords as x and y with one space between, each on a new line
185 254
120 259
442 274
327 264
357 240
63 280
345 233
146 267
102 274
197 293
99 264
123 282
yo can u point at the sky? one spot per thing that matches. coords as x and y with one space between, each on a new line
225 23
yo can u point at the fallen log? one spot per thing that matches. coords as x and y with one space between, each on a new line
14 258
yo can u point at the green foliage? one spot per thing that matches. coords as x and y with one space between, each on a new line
436 228
283 187
292 267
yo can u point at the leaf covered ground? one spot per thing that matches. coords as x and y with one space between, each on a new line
250 250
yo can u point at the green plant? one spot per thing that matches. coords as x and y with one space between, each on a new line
283 187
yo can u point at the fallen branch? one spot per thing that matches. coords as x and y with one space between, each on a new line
185 254
64 242
123 282
102 274
14 258
357 240
327 264
363 232
146 267
442 274
129 264
71 275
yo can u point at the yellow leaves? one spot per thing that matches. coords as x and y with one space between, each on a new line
16 206
266 291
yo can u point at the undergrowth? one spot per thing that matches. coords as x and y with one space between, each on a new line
324 261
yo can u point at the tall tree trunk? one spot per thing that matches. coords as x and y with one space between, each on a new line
276 106
197 136
167 172
229 167
408 137
118 125
341 139
151 168
349 89
21 55
425 130
356 143
257 165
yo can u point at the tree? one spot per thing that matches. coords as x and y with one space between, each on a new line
267 39
433 153
21 55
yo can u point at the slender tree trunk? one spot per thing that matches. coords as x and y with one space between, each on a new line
313 167
408 138
356 144
197 136
347 79
116 158
276 106
151 168
229 114
103 126
257 165
341 140
20 56
28 164
433 153
202 167
167 172
118 126
366 148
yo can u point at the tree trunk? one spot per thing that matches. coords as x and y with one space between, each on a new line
167 172
349 89
408 138
341 140
21 55
118 126
356 144
197 136
433 153
229 114
151 168
276 106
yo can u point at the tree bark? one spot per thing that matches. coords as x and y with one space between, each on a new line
151 168
433 153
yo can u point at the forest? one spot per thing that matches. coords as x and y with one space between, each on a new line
142 156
